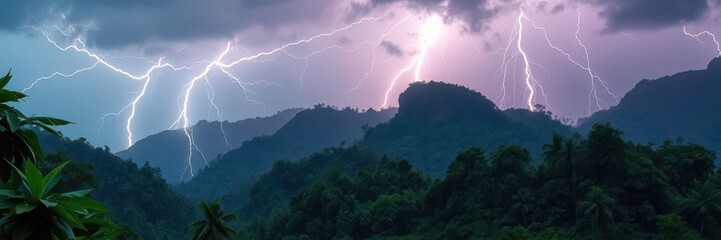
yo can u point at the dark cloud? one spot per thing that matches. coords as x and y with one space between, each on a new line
473 13
134 22
649 14
392 48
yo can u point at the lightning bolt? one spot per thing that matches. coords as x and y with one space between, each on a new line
78 45
698 37
596 82
429 34
527 68
373 61
516 38
184 121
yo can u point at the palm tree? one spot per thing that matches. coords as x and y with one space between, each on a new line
551 152
567 162
524 203
597 207
562 157
703 200
214 226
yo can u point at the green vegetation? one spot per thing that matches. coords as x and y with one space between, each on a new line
309 131
137 196
437 120
214 225
30 205
36 211
593 187
684 104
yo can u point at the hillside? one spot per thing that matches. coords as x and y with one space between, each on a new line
436 121
137 197
683 105
308 132
209 138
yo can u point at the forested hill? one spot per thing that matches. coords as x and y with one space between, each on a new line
686 105
309 131
437 120
164 149
137 197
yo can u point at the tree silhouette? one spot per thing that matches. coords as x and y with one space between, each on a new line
215 223
597 208
703 200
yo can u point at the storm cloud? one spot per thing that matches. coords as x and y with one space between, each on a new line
623 15
123 23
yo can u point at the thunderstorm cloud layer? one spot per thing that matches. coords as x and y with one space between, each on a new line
141 67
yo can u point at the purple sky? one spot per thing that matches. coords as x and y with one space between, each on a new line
476 46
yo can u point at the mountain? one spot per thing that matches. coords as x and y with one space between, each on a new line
168 149
309 131
683 105
436 121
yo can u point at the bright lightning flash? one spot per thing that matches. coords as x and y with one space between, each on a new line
429 34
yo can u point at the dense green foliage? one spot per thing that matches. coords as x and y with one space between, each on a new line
19 141
32 205
309 131
38 211
137 197
277 186
593 187
437 120
210 138
682 105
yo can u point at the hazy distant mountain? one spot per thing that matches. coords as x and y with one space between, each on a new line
687 104
437 120
168 150
308 132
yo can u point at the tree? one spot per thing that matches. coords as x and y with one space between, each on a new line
704 200
606 153
523 203
567 164
215 223
597 208
36 211
672 227
18 142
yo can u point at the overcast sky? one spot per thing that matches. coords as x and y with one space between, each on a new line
342 53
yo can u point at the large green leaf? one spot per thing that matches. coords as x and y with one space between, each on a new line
10 193
4 80
48 203
68 216
10 96
81 203
65 228
12 119
79 193
31 140
34 181
23 208
53 177
49 121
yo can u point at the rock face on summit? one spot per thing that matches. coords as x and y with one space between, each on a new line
686 104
